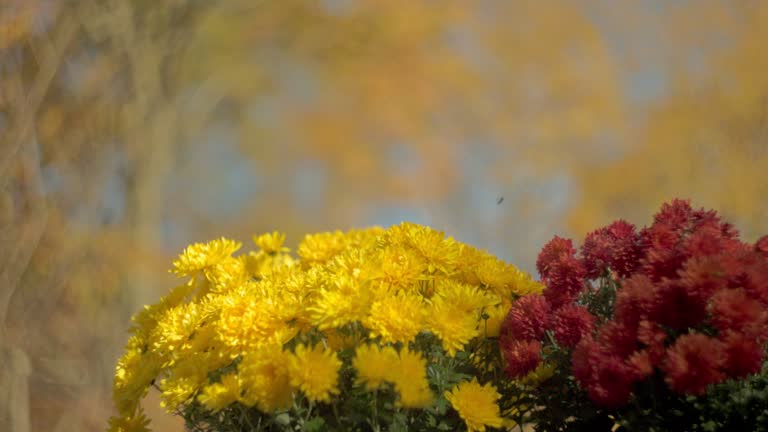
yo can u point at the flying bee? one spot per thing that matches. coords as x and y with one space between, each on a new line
499 200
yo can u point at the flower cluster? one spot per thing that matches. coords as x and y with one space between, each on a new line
378 326
682 302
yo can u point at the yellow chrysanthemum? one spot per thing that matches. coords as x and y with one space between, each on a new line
396 317
451 323
505 279
374 365
265 380
133 376
218 396
137 422
342 302
476 404
468 262
227 274
202 255
543 372
525 284
440 253
400 267
246 321
410 379
271 243
175 329
315 371
321 247
470 298
491 327
186 378
145 321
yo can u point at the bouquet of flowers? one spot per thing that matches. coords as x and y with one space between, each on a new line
662 328
375 329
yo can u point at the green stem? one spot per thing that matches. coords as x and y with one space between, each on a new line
376 427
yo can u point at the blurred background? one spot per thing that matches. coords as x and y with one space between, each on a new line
131 128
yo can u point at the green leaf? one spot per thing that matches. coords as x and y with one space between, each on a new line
316 424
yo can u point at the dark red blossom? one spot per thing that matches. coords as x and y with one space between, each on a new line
677 213
676 306
702 276
618 338
755 280
634 300
642 364
732 309
564 281
607 378
570 323
743 355
527 318
663 256
521 357
708 239
693 363
552 252
761 245
652 337
616 246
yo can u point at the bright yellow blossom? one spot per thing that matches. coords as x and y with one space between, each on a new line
410 379
137 422
451 323
133 375
471 299
319 248
315 371
218 396
374 365
344 301
185 378
476 404
202 255
246 321
396 317
271 243
399 267
496 314
440 253
264 378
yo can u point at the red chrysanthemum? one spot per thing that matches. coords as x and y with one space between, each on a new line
618 338
634 300
553 252
653 337
582 359
570 323
702 276
663 256
564 281
761 245
641 363
615 246
732 309
755 279
527 318
608 379
693 363
707 239
676 213
521 356
743 355
676 306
